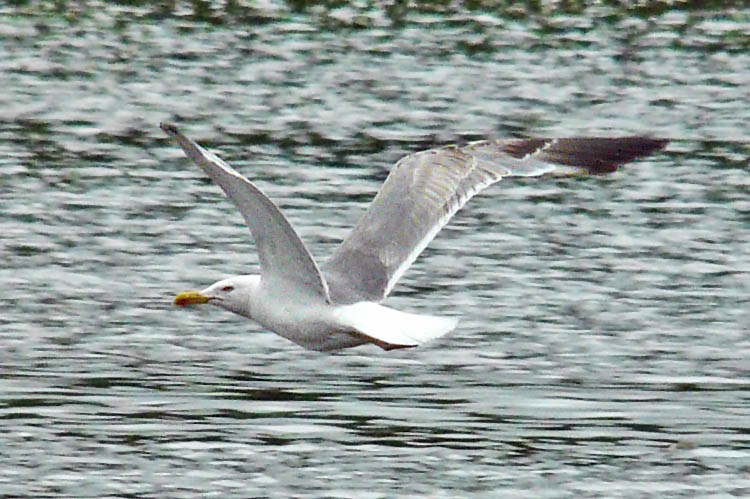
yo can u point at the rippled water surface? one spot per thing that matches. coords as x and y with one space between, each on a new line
603 347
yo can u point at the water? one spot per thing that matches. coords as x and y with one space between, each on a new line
603 346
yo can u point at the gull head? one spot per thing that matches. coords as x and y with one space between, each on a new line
233 294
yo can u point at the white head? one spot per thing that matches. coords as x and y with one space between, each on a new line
232 294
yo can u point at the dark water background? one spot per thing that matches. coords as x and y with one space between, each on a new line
603 350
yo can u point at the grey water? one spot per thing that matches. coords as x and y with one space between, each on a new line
605 322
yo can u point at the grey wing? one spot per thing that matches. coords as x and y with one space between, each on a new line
424 190
281 253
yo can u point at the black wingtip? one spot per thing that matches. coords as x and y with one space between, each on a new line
660 143
650 145
601 155
169 128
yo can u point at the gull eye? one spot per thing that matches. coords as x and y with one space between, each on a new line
227 289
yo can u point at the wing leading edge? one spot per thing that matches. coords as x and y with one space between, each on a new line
281 253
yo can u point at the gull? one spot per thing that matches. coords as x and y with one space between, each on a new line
338 306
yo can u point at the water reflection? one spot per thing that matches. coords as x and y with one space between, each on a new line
601 350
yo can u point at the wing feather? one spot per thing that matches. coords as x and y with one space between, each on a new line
281 252
424 190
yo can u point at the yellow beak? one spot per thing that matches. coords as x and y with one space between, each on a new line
190 298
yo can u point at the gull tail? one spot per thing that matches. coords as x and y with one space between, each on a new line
389 328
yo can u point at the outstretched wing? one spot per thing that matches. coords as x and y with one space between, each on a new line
424 190
281 252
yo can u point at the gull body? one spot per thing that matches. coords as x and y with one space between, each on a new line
341 307
313 322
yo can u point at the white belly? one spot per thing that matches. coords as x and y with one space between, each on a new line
308 321
311 322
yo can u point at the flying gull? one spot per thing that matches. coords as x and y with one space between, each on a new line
338 306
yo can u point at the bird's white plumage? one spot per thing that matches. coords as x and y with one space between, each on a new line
293 298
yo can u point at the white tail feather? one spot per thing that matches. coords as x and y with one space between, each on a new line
392 327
